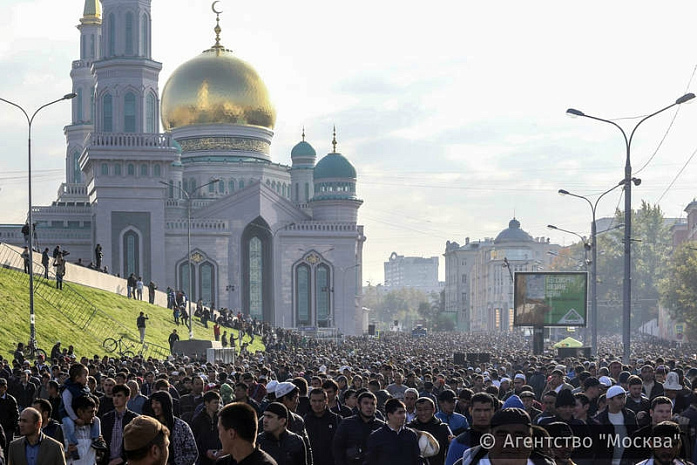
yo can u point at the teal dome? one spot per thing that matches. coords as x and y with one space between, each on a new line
303 149
176 145
513 234
334 165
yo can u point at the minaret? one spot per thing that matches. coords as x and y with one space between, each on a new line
126 159
126 97
90 28
303 156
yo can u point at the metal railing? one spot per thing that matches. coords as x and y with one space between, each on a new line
78 310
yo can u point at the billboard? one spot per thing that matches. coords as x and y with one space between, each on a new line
550 298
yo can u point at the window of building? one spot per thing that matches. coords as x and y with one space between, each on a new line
129 113
111 35
129 33
105 169
131 253
107 113
144 40
77 173
143 169
156 171
302 292
78 106
131 169
151 111
207 282
221 186
256 299
170 189
117 169
211 187
231 186
323 293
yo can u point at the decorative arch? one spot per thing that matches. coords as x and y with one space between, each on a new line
204 276
131 245
257 270
312 290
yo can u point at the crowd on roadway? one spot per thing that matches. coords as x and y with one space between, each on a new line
363 400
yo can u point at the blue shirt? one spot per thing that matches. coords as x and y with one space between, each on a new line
457 422
32 451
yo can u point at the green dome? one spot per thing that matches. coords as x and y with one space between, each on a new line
334 165
176 145
303 149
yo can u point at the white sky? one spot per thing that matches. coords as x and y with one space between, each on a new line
453 113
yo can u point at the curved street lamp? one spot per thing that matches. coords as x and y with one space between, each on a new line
627 182
30 120
188 195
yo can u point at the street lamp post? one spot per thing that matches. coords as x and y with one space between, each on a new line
30 120
594 260
627 287
188 241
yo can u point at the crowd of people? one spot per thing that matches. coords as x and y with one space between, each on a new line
361 400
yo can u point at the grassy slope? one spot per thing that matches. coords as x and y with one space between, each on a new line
51 326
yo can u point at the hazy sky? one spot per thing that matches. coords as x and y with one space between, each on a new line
453 112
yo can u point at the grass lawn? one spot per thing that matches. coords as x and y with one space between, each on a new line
51 325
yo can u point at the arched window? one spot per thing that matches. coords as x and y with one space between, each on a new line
297 194
307 191
83 48
151 111
322 293
211 187
144 40
257 276
107 113
129 33
111 34
78 106
131 253
131 169
117 169
129 113
256 268
156 171
241 183
302 291
186 186
77 173
143 169
184 279
170 188
221 186
91 45
231 186
105 169
192 185
207 282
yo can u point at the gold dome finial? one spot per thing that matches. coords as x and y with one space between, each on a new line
334 140
218 46
92 13
303 133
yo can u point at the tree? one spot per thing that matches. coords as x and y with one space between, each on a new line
679 287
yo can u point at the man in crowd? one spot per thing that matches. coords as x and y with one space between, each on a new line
616 420
113 424
204 426
651 388
332 389
456 422
237 431
397 389
350 439
637 401
242 395
393 442
34 447
49 426
9 412
482 411
410 396
146 442
286 447
321 425
426 421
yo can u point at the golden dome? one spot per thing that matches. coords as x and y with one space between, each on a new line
216 87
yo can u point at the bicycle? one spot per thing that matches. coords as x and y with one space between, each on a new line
111 345
32 351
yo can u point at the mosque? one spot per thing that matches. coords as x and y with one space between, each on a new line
280 243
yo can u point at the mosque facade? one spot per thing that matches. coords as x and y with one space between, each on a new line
280 243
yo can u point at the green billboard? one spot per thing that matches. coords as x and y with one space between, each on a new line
550 299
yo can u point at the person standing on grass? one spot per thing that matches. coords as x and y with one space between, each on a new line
140 323
45 259
139 287
151 292
173 338
59 263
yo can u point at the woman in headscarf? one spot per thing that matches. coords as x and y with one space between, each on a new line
182 445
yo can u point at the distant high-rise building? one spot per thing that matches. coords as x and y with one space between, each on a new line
414 272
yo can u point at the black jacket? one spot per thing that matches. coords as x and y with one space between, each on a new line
205 431
351 438
440 431
288 449
388 446
108 422
321 431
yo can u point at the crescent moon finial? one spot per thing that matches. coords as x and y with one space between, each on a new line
213 7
